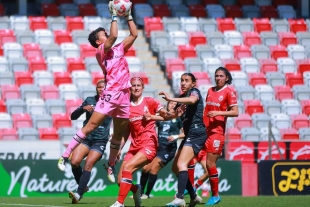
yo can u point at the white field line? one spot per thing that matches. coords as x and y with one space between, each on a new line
22 204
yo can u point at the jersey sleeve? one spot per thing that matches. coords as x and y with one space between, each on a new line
194 92
232 98
155 105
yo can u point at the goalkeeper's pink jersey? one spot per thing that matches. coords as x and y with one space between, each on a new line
115 67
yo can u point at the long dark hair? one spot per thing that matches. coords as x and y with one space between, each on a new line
227 73
194 79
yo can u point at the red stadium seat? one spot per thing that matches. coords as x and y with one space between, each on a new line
74 23
61 120
161 10
49 92
87 50
269 12
206 2
87 10
242 51
281 2
37 23
62 77
243 151
62 36
2 10
261 25
75 64
257 78
48 134
303 65
186 51
233 134
263 150
71 105
201 75
294 79
32 50
196 38
289 134
7 35
305 107
299 151
277 51
152 24
8 134
131 52
174 64
297 25
225 24
63 2
245 2
253 106
37 63
268 65
50 10
21 121
10 92
197 11
287 38
23 77
299 121
243 120
251 38
232 64
2 106
141 75
283 92
201 82
233 11
96 76
1 50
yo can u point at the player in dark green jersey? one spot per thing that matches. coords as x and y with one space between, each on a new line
168 133
92 147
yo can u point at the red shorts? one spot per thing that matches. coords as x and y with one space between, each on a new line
114 103
215 143
202 155
149 151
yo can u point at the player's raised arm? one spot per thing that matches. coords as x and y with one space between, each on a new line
128 41
113 29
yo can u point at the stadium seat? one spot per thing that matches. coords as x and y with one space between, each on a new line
2 106
240 78
12 50
152 24
283 92
291 106
6 78
246 93
56 64
43 78
215 11
80 37
269 38
266 133
260 120
196 10
37 64
92 64
61 120
5 121
286 65
75 64
49 92
278 51
262 24
178 38
131 52
96 76
289 134
280 25
186 51
19 22
16 106
268 65
101 9
194 64
297 52
233 11
281 121
135 64
4 65
242 51
225 24
158 39
28 134
86 91
249 65
71 105
243 120
68 92
24 37
87 10
233 134
44 36
233 38
23 77
250 134
55 106
250 11
35 106
165 52
303 38
18 64
287 38
70 50
171 24
56 23
301 92
260 51
305 105
162 10
253 106
196 38
37 22
48 134
268 11
304 133
244 24
50 9
62 36
272 106
232 64
224 51
297 25
74 23
256 78
21 121
8 134
81 78
68 9
4 20
174 64
207 24
275 78
10 92
211 64
204 51
92 22
251 38
264 92
306 76
30 91
303 66
286 12
6 36
215 38
189 24
86 50
142 10
51 50
65 133
294 79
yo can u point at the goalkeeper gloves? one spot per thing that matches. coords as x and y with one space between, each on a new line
112 11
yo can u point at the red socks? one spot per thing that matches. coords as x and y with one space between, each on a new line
125 186
214 180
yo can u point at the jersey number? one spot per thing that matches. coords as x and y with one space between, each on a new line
106 97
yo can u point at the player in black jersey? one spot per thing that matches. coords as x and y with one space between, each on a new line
168 133
93 146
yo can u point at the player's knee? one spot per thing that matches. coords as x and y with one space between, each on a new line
182 165
115 144
75 164
128 167
210 163
88 166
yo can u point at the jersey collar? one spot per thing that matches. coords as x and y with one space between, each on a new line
133 104
220 89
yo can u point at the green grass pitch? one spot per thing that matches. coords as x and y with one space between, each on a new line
227 201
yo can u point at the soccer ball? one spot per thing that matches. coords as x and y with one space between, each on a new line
122 7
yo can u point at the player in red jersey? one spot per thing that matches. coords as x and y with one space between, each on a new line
144 141
221 102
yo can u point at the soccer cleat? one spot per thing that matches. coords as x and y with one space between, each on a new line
62 163
117 204
177 202
144 196
195 201
136 196
111 172
75 197
213 200
186 192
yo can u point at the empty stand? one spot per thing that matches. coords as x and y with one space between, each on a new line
243 120
16 106
281 121
253 106
48 134
8 134
21 121
28 134
61 120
